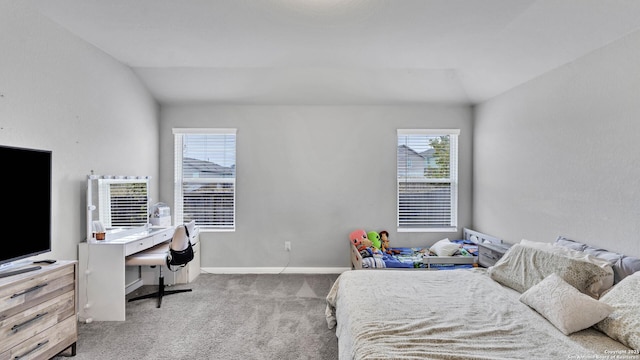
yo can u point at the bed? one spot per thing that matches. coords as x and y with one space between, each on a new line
472 314
421 258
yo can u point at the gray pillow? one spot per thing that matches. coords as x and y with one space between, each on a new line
622 265
570 244
626 266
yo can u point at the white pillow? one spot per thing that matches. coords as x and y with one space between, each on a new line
444 247
624 323
564 306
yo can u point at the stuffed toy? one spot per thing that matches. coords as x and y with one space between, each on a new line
384 241
384 244
356 237
375 239
365 248
364 244
359 239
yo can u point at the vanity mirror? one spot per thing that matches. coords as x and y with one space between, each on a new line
116 204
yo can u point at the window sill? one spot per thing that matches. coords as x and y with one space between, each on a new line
204 229
416 230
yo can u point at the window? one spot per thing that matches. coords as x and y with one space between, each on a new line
205 177
427 168
123 202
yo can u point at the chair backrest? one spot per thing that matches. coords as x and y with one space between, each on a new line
180 240
180 250
191 229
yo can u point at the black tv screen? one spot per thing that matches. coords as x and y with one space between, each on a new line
26 210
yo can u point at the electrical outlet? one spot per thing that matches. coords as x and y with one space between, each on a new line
287 245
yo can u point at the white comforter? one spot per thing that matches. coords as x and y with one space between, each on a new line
452 314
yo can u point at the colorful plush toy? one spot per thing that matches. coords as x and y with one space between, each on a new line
356 237
364 246
375 239
384 241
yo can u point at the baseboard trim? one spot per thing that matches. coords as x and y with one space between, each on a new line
133 286
273 270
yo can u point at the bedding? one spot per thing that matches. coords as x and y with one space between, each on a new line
443 255
541 300
403 257
458 314
564 306
623 324
527 263
623 265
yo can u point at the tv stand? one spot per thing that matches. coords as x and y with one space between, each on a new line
19 271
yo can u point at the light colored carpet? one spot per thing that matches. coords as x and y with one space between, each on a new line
224 317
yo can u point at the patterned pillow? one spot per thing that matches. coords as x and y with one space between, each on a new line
624 323
564 306
623 265
528 263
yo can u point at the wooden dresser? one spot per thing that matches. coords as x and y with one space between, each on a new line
38 312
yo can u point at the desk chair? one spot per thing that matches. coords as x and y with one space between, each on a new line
159 256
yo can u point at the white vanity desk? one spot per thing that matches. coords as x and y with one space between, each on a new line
102 274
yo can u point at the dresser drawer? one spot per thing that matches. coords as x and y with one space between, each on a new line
38 312
162 237
45 344
33 289
36 319
138 245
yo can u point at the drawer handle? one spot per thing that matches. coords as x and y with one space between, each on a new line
38 346
29 290
16 328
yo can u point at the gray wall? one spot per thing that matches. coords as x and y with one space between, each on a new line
311 175
61 94
560 155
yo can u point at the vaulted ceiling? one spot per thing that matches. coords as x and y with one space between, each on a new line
342 51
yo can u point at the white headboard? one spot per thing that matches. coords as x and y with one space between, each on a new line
478 237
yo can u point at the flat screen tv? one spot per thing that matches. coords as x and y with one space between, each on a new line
25 217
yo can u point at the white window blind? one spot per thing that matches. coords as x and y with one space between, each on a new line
123 202
205 177
427 169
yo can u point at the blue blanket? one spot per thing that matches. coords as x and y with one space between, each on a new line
404 257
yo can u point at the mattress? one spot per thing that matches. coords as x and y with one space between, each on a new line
458 314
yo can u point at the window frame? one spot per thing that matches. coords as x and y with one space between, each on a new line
179 211
130 201
452 180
